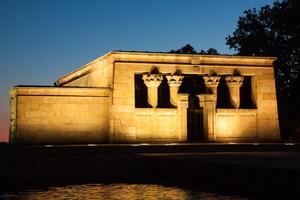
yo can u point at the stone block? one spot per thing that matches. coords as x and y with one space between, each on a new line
123 108
269 96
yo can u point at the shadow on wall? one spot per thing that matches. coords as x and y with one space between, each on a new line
141 94
194 85
223 100
246 94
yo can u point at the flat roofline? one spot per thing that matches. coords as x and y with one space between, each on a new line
55 87
21 86
188 54
205 59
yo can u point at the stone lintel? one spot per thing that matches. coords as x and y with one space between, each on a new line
184 96
206 97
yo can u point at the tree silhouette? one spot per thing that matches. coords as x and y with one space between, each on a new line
212 51
274 31
189 49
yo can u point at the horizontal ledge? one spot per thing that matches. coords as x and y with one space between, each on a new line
233 110
147 111
59 91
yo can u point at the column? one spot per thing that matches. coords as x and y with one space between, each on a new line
183 103
174 82
234 83
208 102
211 83
152 81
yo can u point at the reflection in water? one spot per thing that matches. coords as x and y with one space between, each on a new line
115 191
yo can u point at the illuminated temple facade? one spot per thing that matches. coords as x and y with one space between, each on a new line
134 97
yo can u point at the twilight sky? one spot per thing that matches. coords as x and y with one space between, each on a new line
41 40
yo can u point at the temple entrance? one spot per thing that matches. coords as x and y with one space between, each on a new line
194 121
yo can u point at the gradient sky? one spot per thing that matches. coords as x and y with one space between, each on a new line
41 40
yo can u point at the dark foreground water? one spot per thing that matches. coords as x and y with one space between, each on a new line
114 191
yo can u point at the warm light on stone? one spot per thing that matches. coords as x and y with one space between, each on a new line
174 81
211 83
225 127
107 101
234 83
152 81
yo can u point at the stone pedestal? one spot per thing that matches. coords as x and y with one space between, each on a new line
152 81
234 83
211 83
174 82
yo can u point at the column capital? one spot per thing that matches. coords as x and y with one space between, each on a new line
152 80
234 81
211 81
174 80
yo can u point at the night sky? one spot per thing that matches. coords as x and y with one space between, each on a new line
42 40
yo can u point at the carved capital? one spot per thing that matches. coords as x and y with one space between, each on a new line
152 80
174 80
234 81
211 81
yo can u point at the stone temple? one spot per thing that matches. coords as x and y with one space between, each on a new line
146 97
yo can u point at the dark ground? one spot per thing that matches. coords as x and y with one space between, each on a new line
260 170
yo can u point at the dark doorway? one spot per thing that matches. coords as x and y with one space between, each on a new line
194 121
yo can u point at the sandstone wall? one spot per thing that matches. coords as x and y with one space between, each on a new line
90 113
236 125
130 124
59 115
99 75
267 112
257 124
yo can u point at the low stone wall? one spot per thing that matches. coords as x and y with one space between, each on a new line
236 125
157 124
59 115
